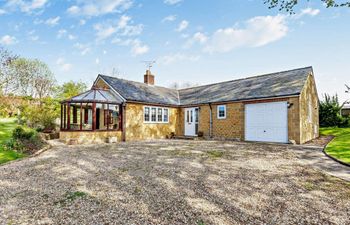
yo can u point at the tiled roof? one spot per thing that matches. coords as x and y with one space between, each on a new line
271 85
141 92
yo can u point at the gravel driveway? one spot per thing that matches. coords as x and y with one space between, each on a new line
170 182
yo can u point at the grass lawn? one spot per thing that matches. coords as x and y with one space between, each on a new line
6 127
340 146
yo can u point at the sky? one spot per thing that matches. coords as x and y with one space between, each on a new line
192 41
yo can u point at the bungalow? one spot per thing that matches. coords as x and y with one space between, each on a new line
277 107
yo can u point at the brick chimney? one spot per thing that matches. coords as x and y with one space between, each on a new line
149 78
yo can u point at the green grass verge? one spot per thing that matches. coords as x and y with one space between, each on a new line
339 147
6 127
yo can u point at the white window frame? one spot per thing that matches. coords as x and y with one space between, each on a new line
157 109
168 113
218 114
149 113
161 110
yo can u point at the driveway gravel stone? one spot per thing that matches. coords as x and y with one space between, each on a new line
171 182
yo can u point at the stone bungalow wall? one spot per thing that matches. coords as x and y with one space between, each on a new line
300 128
137 129
87 137
233 126
309 109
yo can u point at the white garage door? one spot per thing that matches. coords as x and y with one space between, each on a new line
266 122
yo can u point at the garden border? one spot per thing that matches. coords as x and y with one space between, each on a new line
44 149
333 158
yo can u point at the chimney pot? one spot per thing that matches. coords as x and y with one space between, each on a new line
149 78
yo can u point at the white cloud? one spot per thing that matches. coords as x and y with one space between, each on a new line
104 30
64 33
182 26
53 21
8 40
97 61
172 2
84 49
258 31
82 22
137 47
72 37
63 65
123 21
196 38
308 11
124 27
2 12
34 38
25 6
73 10
169 18
170 59
61 33
98 7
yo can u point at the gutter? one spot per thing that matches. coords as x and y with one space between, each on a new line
124 122
211 121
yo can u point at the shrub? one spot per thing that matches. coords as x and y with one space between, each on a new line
20 133
42 117
24 140
330 113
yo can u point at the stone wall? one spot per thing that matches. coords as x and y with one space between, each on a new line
137 129
309 110
89 137
233 126
101 84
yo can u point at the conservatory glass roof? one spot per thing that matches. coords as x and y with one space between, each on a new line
96 95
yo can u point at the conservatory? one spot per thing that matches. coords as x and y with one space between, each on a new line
97 113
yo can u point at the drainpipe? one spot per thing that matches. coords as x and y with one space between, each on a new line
210 122
124 122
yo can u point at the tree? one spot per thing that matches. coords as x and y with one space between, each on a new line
33 78
330 112
6 79
288 5
70 89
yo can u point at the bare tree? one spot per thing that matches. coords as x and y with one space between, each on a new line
32 78
44 81
6 78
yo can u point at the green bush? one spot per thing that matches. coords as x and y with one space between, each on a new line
42 117
330 113
20 133
24 140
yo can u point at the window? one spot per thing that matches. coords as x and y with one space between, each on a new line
166 115
153 114
221 111
160 115
146 114
156 114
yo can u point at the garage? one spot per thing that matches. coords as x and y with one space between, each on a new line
267 122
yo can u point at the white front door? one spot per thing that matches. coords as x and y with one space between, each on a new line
266 122
191 121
